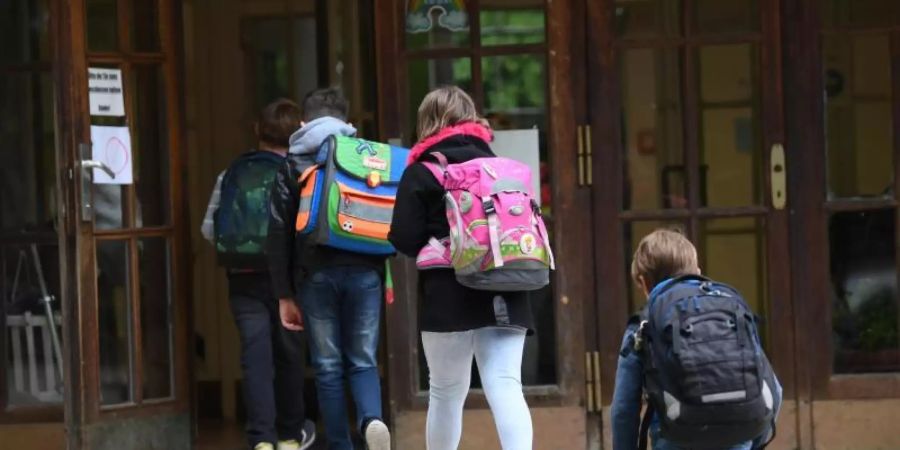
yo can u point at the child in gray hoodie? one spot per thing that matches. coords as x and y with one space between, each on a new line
334 294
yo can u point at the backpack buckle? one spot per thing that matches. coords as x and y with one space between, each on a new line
488 205
639 336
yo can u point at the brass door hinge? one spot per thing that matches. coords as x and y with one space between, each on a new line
592 382
584 155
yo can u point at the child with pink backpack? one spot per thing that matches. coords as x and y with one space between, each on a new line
474 226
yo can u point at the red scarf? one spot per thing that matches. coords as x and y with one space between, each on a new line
463 129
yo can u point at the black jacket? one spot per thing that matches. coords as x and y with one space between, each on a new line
445 305
290 257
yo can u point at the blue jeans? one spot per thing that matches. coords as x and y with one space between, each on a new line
342 312
272 361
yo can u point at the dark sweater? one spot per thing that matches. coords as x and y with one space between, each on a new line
444 304
291 258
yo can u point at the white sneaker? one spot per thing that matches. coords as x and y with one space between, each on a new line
264 446
377 435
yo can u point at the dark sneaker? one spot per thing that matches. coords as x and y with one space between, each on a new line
377 435
308 438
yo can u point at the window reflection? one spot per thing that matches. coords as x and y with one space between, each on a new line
863 266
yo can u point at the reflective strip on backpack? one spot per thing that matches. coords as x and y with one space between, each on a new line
307 181
494 233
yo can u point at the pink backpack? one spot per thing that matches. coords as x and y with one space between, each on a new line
498 240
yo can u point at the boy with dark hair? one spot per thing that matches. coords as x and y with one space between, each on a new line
340 292
711 386
272 358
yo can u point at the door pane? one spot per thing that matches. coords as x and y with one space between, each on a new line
633 233
28 171
427 74
24 31
267 60
733 251
156 316
730 145
648 18
145 25
114 327
102 25
31 372
731 16
151 147
652 129
29 365
864 291
859 133
512 26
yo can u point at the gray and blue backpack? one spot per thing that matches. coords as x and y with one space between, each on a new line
706 376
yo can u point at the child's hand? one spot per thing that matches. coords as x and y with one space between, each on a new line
291 316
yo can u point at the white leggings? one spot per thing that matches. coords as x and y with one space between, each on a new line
498 352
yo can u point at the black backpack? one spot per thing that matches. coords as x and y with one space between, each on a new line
705 374
242 219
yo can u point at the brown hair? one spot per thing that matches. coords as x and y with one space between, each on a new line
446 106
663 254
326 102
278 121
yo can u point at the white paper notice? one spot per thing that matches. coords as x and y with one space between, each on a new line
522 146
105 92
112 146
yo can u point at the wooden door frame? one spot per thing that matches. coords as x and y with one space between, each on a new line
609 216
573 280
78 241
804 109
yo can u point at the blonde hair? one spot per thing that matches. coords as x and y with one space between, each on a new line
446 106
663 254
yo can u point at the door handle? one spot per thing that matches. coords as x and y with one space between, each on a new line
778 176
91 164
87 167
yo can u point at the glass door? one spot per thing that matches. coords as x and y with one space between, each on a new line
31 356
687 133
120 118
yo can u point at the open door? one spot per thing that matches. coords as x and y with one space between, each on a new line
125 314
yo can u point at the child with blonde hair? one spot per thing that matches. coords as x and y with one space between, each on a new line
695 352
457 322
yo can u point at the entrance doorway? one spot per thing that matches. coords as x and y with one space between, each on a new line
239 56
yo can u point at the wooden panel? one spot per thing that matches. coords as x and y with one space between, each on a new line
855 425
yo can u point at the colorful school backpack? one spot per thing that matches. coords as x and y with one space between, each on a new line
705 374
242 219
498 240
347 197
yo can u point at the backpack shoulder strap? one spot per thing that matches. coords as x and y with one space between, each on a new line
643 436
442 159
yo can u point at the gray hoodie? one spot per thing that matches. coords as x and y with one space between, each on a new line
307 140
